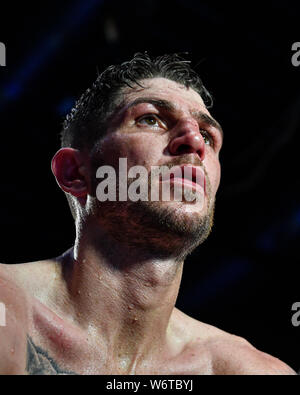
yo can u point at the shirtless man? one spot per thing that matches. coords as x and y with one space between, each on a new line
106 306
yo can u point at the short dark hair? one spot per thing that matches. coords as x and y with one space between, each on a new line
88 119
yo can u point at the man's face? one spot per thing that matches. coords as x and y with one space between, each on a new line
165 124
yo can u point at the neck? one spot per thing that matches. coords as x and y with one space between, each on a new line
125 296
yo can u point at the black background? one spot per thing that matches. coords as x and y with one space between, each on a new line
246 277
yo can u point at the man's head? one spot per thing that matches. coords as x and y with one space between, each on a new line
153 113
89 118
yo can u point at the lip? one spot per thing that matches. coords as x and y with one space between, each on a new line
193 177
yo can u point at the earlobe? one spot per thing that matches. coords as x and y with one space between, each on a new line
70 172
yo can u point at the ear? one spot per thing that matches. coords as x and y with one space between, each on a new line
69 169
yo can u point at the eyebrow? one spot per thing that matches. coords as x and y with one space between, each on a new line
167 105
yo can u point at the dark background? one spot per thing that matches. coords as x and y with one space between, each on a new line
246 277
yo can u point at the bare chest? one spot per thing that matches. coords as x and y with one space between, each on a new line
82 361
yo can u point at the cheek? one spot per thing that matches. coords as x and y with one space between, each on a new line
213 169
144 149
138 150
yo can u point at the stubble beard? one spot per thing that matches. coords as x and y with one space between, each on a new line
171 230
162 229
158 229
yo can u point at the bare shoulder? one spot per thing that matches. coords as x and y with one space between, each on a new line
12 294
13 331
9 288
32 278
235 355
229 354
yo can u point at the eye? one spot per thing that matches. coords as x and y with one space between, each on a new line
207 137
149 120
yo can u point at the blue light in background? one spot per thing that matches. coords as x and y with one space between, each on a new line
73 19
208 288
281 233
65 106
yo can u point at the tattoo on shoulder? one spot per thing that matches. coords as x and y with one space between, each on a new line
40 363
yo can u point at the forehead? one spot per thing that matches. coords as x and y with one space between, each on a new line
182 98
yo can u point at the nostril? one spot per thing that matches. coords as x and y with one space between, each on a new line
184 149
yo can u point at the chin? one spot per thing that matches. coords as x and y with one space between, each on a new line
188 221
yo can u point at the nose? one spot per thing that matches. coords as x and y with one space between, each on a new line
187 139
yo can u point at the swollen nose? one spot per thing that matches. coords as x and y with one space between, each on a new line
186 141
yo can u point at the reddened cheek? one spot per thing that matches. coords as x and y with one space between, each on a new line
138 149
